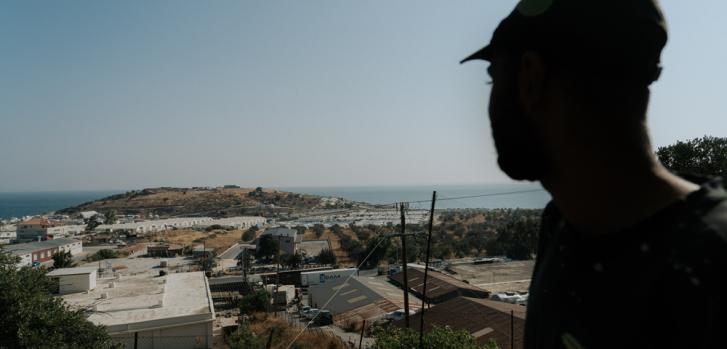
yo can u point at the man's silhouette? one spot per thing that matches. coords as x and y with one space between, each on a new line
630 255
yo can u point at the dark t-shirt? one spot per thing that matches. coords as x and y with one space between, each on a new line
659 284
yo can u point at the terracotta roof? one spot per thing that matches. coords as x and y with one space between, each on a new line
439 286
484 319
40 221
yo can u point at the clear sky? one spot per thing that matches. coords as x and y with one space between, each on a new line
133 94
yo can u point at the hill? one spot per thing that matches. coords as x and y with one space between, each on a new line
212 202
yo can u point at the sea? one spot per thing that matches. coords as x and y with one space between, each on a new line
515 195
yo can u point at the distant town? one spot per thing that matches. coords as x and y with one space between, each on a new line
326 269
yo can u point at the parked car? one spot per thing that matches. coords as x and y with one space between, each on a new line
324 318
303 310
398 314
312 313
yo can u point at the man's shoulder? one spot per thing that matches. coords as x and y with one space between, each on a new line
711 211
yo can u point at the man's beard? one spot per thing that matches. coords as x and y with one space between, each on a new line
520 150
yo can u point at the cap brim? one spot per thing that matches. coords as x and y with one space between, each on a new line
484 53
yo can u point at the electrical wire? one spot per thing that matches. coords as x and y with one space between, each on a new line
382 238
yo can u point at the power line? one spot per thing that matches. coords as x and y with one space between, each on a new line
392 206
382 238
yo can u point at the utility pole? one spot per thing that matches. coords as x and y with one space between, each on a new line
363 328
403 265
426 271
512 329
277 277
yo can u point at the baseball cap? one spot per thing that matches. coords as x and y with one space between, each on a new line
610 35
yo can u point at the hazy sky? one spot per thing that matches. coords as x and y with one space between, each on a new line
132 94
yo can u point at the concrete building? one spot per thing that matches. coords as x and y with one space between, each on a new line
35 228
200 251
41 252
172 311
288 238
143 227
88 214
72 280
7 234
163 250
243 222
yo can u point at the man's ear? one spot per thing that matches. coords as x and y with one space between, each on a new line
532 79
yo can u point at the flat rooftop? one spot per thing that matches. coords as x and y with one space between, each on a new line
71 271
144 301
313 248
30 247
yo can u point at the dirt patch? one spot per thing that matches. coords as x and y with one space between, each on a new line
220 240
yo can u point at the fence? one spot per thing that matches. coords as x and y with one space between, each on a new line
156 342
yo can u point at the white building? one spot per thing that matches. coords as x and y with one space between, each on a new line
88 214
242 222
36 228
151 226
7 234
72 280
172 311
42 251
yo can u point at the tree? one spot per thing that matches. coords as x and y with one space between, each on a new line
33 318
109 217
392 337
256 301
62 259
206 263
267 246
319 229
326 256
705 156
92 223
245 338
292 261
336 230
103 254
249 234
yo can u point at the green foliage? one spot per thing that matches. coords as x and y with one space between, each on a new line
518 238
33 318
337 230
110 217
206 263
319 229
214 227
326 257
103 254
256 301
393 337
249 234
292 261
245 338
267 246
300 229
62 259
705 156
377 254
93 222
351 246
472 232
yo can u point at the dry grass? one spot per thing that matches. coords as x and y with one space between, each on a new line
342 257
285 333
220 240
